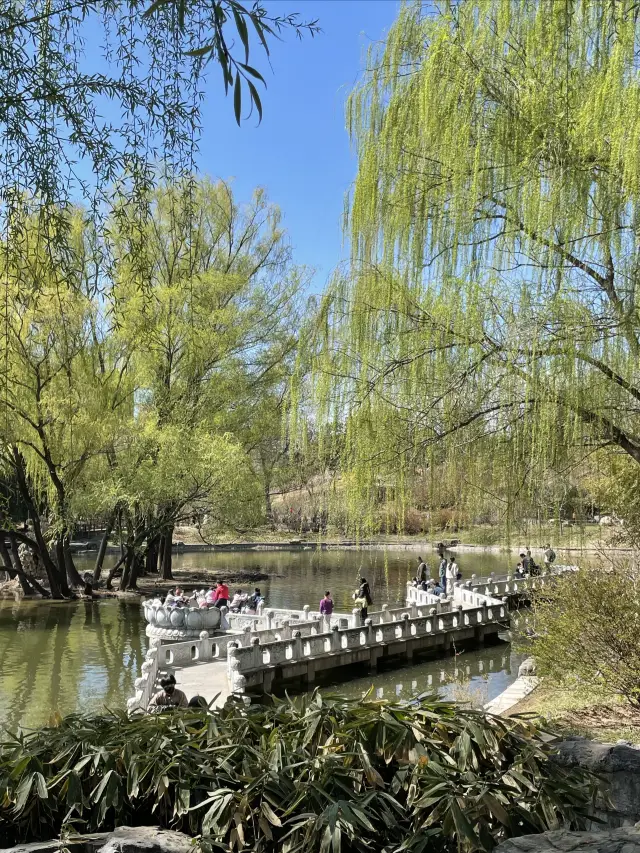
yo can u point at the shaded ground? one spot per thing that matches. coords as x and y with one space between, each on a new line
190 579
603 718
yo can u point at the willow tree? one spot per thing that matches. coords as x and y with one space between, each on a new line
57 409
488 322
206 303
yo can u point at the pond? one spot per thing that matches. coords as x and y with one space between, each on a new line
66 657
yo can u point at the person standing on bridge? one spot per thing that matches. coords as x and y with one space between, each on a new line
423 571
451 575
326 606
442 572
363 599
221 596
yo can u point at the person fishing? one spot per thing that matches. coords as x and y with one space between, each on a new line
168 697
363 599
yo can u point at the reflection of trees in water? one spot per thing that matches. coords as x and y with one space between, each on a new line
65 657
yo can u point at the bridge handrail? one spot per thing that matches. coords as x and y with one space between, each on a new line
243 659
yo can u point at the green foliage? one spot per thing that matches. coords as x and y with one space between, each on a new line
153 57
143 371
586 630
314 774
218 45
487 329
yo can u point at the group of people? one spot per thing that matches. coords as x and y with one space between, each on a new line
361 598
448 573
216 596
528 566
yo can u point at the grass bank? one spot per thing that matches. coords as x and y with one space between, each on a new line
595 715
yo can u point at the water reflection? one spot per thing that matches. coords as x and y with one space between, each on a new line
474 677
67 657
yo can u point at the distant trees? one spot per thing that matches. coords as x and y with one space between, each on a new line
488 323
136 370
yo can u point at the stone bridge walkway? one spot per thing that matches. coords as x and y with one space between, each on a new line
208 679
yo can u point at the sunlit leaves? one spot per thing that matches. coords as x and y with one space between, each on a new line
317 773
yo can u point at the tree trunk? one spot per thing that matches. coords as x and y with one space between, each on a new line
5 557
136 567
112 573
102 550
18 567
151 560
166 553
126 572
267 505
74 577
56 577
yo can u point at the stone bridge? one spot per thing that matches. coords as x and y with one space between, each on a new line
290 647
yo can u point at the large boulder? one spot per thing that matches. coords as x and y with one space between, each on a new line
125 839
625 840
618 765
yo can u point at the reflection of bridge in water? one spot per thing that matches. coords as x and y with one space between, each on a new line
476 674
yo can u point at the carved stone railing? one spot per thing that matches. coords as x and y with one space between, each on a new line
511 585
204 649
182 623
243 660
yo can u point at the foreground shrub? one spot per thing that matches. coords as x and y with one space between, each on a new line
319 773
587 627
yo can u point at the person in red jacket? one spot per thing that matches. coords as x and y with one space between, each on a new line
221 596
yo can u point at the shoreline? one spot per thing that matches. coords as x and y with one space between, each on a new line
368 545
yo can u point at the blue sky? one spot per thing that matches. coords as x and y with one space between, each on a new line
300 152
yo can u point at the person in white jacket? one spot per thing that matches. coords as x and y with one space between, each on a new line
451 574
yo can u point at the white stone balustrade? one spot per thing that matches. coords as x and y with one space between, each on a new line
257 642
243 660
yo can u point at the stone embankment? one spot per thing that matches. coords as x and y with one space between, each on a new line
618 765
525 683
559 841
125 839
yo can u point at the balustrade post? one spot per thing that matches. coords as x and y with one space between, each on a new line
385 616
306 610
335 639
355 617
237 681
256 657
269 614
297 645
246 635
224 621
285 630
371 634
405 625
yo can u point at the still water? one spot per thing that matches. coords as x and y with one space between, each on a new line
85 656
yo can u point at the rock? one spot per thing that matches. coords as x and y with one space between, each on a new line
527 667
128 839
618 765
626 840
125 839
